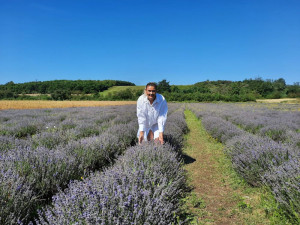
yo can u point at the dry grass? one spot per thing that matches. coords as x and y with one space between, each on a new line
280 100
34 95
25 104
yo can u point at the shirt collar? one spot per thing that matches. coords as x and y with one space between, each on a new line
157 99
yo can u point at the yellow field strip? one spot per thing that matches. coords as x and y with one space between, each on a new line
33 104
280 100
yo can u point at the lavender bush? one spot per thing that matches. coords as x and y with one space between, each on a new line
17 198
177 117
284 181
50 140
44 160
252 156
175 128
9 142
276 132
221 129
43 169
293 139
269 154
143 187
96 151
64 145
24 123
253 118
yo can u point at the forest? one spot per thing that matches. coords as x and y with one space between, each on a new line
58 89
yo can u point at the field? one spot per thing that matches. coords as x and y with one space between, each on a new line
23 104
281 100
82 165
121 88
135 88
263 144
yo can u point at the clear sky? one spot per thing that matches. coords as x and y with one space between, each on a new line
182 41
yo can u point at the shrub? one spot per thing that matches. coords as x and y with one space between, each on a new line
284 182
143 187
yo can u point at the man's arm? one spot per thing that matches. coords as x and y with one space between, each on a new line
141 137
161 137
141 119
162 118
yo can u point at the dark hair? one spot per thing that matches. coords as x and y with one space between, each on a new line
151 84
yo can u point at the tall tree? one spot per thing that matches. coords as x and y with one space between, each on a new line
163 86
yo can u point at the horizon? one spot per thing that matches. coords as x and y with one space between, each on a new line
184 42
257 78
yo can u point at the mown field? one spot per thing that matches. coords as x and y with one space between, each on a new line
134 88
28 104
280 100
121 88
82 165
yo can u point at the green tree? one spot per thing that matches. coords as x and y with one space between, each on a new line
163 86
174 88
61 95
280 88
293 91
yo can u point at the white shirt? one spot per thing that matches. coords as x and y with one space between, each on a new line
149 115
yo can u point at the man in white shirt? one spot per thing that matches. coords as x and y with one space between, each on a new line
152 110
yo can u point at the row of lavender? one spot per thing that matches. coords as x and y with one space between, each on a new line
53 127
281 125
42 150
143 187
260 159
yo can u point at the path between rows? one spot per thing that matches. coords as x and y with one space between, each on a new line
214 200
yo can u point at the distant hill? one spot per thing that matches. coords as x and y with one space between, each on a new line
116 89
235 91
207 91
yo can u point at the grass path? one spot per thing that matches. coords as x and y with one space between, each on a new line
218 196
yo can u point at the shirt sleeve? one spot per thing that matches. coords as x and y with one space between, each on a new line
162 118
141 114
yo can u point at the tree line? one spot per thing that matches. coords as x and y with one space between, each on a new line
221 90
57 89
235 91
206 91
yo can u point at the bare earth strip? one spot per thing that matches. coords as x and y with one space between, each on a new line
25 104
219 201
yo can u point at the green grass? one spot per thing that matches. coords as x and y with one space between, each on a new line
184 86
120 88
250 205
135 88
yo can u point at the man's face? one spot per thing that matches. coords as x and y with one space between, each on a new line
151 93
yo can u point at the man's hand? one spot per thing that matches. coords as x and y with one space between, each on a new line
161 138
141 137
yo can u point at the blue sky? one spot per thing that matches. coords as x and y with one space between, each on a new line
147 40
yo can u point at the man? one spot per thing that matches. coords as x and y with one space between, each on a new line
152 112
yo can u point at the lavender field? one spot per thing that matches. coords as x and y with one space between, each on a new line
83 165
64 166
263 144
